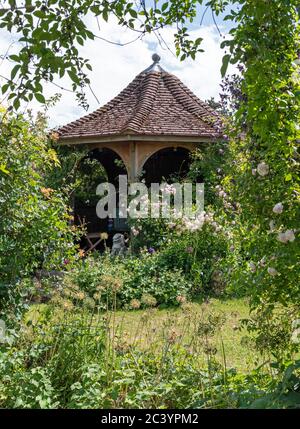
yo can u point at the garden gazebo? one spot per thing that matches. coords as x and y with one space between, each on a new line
155 112
151 126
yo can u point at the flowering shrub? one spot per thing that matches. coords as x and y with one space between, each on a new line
35 230
131 282
260 185
264 177
197 247
150 277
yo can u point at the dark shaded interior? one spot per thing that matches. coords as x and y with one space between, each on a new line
166 165
85 211
111 162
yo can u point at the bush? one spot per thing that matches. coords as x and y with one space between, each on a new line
113 281
199 249
35 232
150 276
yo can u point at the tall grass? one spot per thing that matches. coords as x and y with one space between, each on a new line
93 359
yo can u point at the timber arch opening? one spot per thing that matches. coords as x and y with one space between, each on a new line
98 166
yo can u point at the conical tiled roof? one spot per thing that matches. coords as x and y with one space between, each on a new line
155 103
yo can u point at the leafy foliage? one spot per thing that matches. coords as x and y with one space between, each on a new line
84 360
119 282
52 31
264 178
35 225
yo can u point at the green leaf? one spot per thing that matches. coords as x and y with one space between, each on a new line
5 88
40 98
133 13
165 6
3 169
288 177
16 103
14 71
80 40
225 63
74 77
14 57
105 15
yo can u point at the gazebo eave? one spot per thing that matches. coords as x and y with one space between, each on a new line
77 140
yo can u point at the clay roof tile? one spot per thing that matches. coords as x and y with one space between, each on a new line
154 103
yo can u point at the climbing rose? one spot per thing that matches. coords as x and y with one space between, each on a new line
81 253
46 192
278 208
135 231
289 233
286 236
263 169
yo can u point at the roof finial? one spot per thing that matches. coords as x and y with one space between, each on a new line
156 58
155 67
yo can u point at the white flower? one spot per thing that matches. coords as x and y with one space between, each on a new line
278 208
282 237
208 217
222 194
272 225
286 236
216 226
227 205
252 266
253 171
296 324
272 271
194 224
262 262
169 189
135 231
171 224
262 169
289 233
295 339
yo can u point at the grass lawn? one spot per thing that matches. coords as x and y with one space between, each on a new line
150 328
186 326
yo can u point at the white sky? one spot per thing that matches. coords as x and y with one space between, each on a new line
114 67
